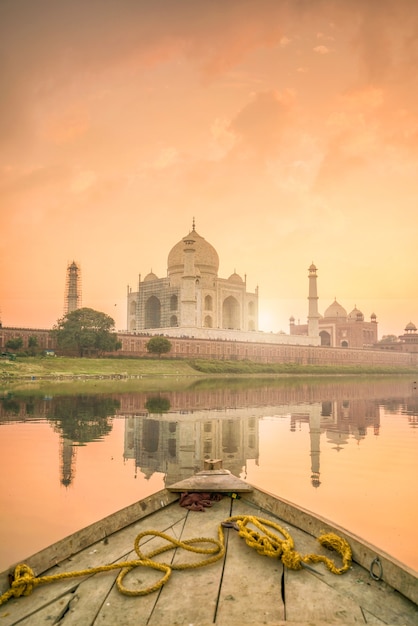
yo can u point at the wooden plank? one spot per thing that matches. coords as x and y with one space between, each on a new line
57 552
126 610
111 549
374 597
251 585
308 599
190 596
218 481
50 614
394 573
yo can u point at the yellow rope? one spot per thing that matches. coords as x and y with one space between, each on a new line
265 542
269 544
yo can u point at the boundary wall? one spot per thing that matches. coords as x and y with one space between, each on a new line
196 348
190 347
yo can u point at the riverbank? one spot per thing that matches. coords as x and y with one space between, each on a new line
60 368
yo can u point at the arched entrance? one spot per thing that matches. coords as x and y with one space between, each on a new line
153 313
230 313
325 338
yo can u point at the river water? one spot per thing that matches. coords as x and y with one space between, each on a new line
346 449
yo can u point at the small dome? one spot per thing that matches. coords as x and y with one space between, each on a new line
235 278
150 276
373 316
410 327
335 310
206 257
356 315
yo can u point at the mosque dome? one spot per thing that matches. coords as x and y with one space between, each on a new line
356 315
410 327
150 276
335 310
206 258
235 278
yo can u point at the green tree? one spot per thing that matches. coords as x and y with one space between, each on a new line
87 331
157 404
33 344
158 345
14 344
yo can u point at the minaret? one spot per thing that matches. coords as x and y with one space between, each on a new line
72 288
188 282
313 315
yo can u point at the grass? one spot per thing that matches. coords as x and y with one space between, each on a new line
61 367
70 367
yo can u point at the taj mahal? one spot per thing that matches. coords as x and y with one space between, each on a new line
192 295
192 300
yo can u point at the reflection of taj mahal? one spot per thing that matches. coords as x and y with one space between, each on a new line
192 295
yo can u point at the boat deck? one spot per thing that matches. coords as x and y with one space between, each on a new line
241 588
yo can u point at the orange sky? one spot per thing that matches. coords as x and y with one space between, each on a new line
288 129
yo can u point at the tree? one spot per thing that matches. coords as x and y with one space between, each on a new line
158 345
87 331
33 344
157 404
14 344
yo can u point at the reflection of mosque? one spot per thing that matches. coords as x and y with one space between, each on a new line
340 420
177 445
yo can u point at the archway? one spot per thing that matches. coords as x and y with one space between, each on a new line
152 313
325 338
230 314
208 303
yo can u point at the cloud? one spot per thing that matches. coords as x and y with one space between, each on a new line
83 181
321 49
260 125
166 158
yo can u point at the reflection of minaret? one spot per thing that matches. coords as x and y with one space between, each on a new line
313 315
315 435
67 458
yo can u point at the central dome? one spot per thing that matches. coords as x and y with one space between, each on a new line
206 258
336 310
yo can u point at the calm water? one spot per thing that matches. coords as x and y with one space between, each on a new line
346 450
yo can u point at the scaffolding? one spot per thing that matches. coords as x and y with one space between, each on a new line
72 288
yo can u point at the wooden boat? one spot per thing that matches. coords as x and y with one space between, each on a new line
239 585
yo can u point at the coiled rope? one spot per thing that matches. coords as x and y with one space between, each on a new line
265 542
268 543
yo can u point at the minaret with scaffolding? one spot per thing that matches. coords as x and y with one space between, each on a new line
72 288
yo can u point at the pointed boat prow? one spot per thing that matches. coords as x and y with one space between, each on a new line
212 479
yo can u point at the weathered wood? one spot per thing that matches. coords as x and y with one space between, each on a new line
138 609
65 548
307 599
244 588
50 614
190 597
394 573
114 548
251 584
217 481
